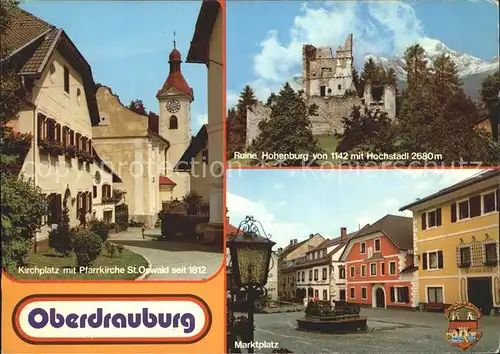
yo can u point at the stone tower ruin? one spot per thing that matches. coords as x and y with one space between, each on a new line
327 81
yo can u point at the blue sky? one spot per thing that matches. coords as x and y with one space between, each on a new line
295 203
127 44
264 40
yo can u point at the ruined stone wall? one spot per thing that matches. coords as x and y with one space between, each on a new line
255 114
331 110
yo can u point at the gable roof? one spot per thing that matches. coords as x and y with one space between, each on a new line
198 143
484 175
32 42
399 229
33 28
199 49
99 162
165 181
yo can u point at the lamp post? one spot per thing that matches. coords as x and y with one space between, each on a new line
250 250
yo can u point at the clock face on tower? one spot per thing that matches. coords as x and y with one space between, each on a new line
173 106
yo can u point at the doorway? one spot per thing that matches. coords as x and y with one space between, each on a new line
342 295
380 298
479 294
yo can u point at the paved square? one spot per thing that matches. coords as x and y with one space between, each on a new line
389 331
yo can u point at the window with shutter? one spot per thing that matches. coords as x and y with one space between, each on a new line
78 204
438 217
51 129
72 137
488 202
463 210
58 132
454 212
77 141
440 259
392 294
475 206
498 199
424 221
424 260
41 121
406 294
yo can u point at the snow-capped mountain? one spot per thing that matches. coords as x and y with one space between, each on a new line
472 70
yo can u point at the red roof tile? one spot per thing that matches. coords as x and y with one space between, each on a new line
165 181
175 78
231 229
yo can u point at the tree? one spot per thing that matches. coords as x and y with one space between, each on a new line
366 130
490 97
11 88
22 209
370 71
22 202
416 67
237 122
138 107
61 238
232 136
288 129
436 115
445 80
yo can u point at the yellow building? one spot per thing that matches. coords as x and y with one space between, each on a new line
456 239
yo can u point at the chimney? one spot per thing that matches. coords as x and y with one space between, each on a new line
295 241
311 236
280 249
291 242
343 233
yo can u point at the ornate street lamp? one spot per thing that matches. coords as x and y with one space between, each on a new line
250 250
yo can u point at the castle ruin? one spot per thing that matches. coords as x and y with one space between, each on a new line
327 81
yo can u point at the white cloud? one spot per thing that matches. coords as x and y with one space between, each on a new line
391 27
281 232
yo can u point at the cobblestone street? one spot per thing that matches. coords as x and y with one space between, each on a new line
389 332
173 254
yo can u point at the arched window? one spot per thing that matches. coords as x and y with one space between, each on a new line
173 122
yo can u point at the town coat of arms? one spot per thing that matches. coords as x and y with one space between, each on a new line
463 318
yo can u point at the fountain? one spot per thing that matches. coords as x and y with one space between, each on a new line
323 317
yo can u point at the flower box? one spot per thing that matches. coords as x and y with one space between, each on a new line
52 147
84 156
70 151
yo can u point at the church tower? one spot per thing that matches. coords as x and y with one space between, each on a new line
175 99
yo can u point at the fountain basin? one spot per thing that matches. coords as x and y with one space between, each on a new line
333 324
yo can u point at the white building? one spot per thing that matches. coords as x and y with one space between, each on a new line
313 271
59 114
272 279
320 273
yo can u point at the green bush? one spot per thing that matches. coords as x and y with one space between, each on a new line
100 228
61 238
87 247
22 209
121 217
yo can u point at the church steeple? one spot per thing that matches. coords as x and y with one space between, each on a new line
175 59
175 77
